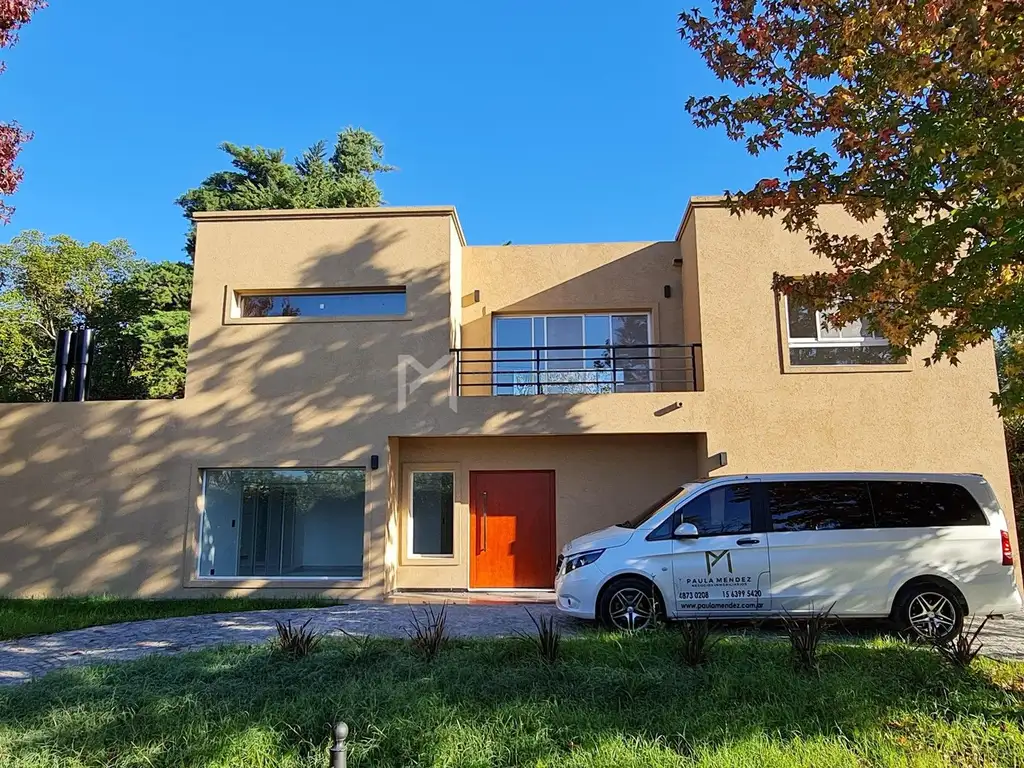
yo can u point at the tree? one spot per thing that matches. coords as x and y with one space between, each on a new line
47 285
142 341
264 180
139 309
908 115
14 14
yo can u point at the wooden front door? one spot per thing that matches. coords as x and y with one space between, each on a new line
512 529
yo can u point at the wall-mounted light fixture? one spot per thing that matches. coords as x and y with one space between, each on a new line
668 291
677 262
375 461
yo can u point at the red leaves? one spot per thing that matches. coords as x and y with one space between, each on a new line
13 15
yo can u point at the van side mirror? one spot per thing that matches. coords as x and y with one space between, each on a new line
686 531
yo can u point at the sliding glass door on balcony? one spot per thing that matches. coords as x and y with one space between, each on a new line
572 354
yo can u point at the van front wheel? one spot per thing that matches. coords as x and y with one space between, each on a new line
931 612
629 604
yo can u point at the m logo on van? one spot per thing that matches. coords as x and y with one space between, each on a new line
714 558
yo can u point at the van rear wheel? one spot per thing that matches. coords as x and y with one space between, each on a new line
930 612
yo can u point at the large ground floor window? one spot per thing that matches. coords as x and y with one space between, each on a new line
282 523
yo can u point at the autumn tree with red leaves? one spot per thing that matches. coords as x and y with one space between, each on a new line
14 14
912 115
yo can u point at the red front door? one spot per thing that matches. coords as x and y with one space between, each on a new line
512 529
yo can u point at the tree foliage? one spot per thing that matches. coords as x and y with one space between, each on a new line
263 179
49 284
14 14
910 116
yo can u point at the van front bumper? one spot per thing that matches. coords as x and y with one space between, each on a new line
576 592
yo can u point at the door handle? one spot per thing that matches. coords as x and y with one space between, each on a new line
484 547
747 542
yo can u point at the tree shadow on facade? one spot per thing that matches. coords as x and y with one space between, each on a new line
102 496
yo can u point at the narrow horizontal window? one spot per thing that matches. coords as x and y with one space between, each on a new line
282 523
362 303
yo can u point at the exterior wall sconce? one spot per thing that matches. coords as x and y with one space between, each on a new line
375 461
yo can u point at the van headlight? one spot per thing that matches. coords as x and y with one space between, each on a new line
572 562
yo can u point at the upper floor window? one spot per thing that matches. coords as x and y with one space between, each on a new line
813 342
572 354
378 302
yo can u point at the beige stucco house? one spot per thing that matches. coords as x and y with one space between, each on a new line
373 405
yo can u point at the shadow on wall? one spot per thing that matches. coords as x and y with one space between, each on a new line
97 496
634 281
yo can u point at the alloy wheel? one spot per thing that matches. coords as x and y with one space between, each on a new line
931 615
630 609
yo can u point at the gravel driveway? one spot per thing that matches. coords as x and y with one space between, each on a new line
25 659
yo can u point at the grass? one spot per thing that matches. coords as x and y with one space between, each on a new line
21 617
609 701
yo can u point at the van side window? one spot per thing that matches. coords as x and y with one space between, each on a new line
720 511
901 504
819 505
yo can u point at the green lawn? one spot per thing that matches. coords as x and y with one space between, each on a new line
612 701
22 617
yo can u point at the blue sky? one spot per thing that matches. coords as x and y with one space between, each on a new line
540 121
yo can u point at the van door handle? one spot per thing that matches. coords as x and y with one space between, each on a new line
747 542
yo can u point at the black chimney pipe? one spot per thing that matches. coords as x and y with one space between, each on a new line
83 356
61 355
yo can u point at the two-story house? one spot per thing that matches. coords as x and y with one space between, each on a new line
373 405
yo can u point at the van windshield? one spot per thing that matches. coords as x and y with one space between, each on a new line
643 517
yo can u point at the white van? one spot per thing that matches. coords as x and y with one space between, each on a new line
925 550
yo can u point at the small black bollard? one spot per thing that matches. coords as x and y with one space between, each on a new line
339 751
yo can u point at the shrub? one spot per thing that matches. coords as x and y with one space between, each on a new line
548 640
429 633
697 641
961 649
296 641
805 635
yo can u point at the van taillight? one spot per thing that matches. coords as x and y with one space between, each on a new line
1007 550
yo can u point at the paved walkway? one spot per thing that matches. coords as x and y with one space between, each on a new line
28 658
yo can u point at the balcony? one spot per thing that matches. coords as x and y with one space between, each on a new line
576 370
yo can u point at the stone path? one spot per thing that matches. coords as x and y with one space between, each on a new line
28 658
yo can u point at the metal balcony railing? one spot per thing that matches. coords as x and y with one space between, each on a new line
576 370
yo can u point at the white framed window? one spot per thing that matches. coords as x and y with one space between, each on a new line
572 353
431 514
282 523
812 342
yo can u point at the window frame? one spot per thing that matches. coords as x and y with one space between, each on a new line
758 510
788 343
544 317
867 499
194 551
460 524
410 514
235 294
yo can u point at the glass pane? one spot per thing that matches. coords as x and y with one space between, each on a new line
720 511
819 506
282 523
514 369
880 354
632 362
333 304
433 510
802 322
921 505
565 332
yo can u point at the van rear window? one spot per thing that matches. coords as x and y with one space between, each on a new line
902 504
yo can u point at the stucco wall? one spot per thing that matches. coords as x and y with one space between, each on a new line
599 480
582 278
935 419
102 497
